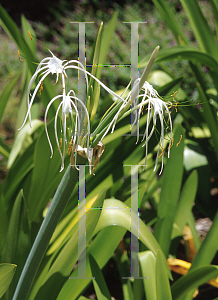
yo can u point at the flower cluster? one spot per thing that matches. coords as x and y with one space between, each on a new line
68 105
69 102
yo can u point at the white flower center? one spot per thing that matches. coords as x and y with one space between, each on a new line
55 65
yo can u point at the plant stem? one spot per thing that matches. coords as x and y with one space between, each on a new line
59 202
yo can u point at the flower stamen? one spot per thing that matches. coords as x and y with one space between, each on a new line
19 55
41 88
60 145
30 35
173 95
179 141
162 152
171 144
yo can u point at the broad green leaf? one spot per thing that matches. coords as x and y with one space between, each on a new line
120 216
65 228
123 265
202 31
148 267
170 190
96 96
68 256
102 249
99 283
23 140
46 175
17 174
18 243
192 280
46 230
6 94
208 247
162 279
92 93
205 253
185 53
170 19
193 156
208 111
30 40
105 42
187 199
6 275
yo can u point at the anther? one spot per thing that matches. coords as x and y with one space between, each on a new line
30 35
41 88
173 95
70 147
179 141
171 144
162 152
19 55
60 144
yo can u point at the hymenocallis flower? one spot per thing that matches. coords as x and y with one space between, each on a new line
69 108
49 65
156 107
68 105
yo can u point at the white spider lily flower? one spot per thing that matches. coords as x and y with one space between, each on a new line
49 65
156 107
68 106
149 90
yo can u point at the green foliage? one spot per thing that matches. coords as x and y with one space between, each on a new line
6 276
38 204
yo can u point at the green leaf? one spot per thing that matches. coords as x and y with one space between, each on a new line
46 175
202 31
192 280
170 190
123 265
187 199
148 266
64 263
170 19
46 230
162 280
121 217
99 283
31 42
208 247
6 94
16 176
4 149
193 156
23 140
101 249
3 220
186 53
18 243
6 275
